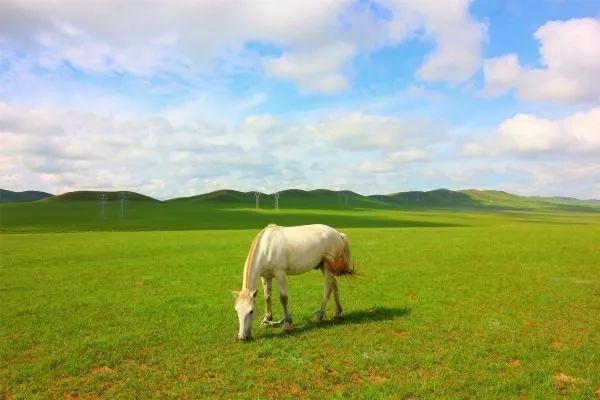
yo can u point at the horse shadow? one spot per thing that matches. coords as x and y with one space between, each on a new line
375 314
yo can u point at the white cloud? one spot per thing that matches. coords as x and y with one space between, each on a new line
61 150
68 150
58 150
260 123
528 134
312 44
314 71
411 155
500 73
376 166
570 60
359 131
458 39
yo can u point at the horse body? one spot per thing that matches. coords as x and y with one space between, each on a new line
280 251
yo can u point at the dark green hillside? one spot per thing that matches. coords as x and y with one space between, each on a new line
227 209
291 198
225 196
93 195
325 199
498 198
8 196
433 198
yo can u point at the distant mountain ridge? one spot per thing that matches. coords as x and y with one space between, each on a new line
8 196
325 198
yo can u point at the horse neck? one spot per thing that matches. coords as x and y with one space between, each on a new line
251 268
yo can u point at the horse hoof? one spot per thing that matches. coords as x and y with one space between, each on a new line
319 317
287 326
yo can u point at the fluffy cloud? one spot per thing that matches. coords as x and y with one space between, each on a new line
57 151
315 71
528 134
61 150
360 131
570 65
458 38
260 123
67 150
311 45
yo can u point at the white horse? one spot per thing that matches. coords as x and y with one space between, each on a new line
279 251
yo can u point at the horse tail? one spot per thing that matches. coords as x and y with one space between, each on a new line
341 263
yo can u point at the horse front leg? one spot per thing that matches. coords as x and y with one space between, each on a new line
283 296
267 320
328 285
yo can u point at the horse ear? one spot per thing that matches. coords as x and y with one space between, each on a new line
254 293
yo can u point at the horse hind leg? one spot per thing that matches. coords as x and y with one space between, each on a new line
337 313
328 285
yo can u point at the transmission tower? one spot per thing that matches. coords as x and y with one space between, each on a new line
257 200
103 206
276 200
122 204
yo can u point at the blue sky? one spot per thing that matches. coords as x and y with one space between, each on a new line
179 98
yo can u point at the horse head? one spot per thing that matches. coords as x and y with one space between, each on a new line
244 305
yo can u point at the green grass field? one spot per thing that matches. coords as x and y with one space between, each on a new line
449 304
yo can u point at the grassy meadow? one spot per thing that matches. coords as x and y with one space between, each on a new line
449 304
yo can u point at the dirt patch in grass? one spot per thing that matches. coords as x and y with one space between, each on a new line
69 396
296 391
514 363
354 377
566 383
377 379
568 379
424 374
101 369
556 343
400 334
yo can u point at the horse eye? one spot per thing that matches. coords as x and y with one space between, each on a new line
251 311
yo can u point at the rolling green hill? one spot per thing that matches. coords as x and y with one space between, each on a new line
92 195
291 198
344 199
8 196
438 197
225 196
331 199
229 209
